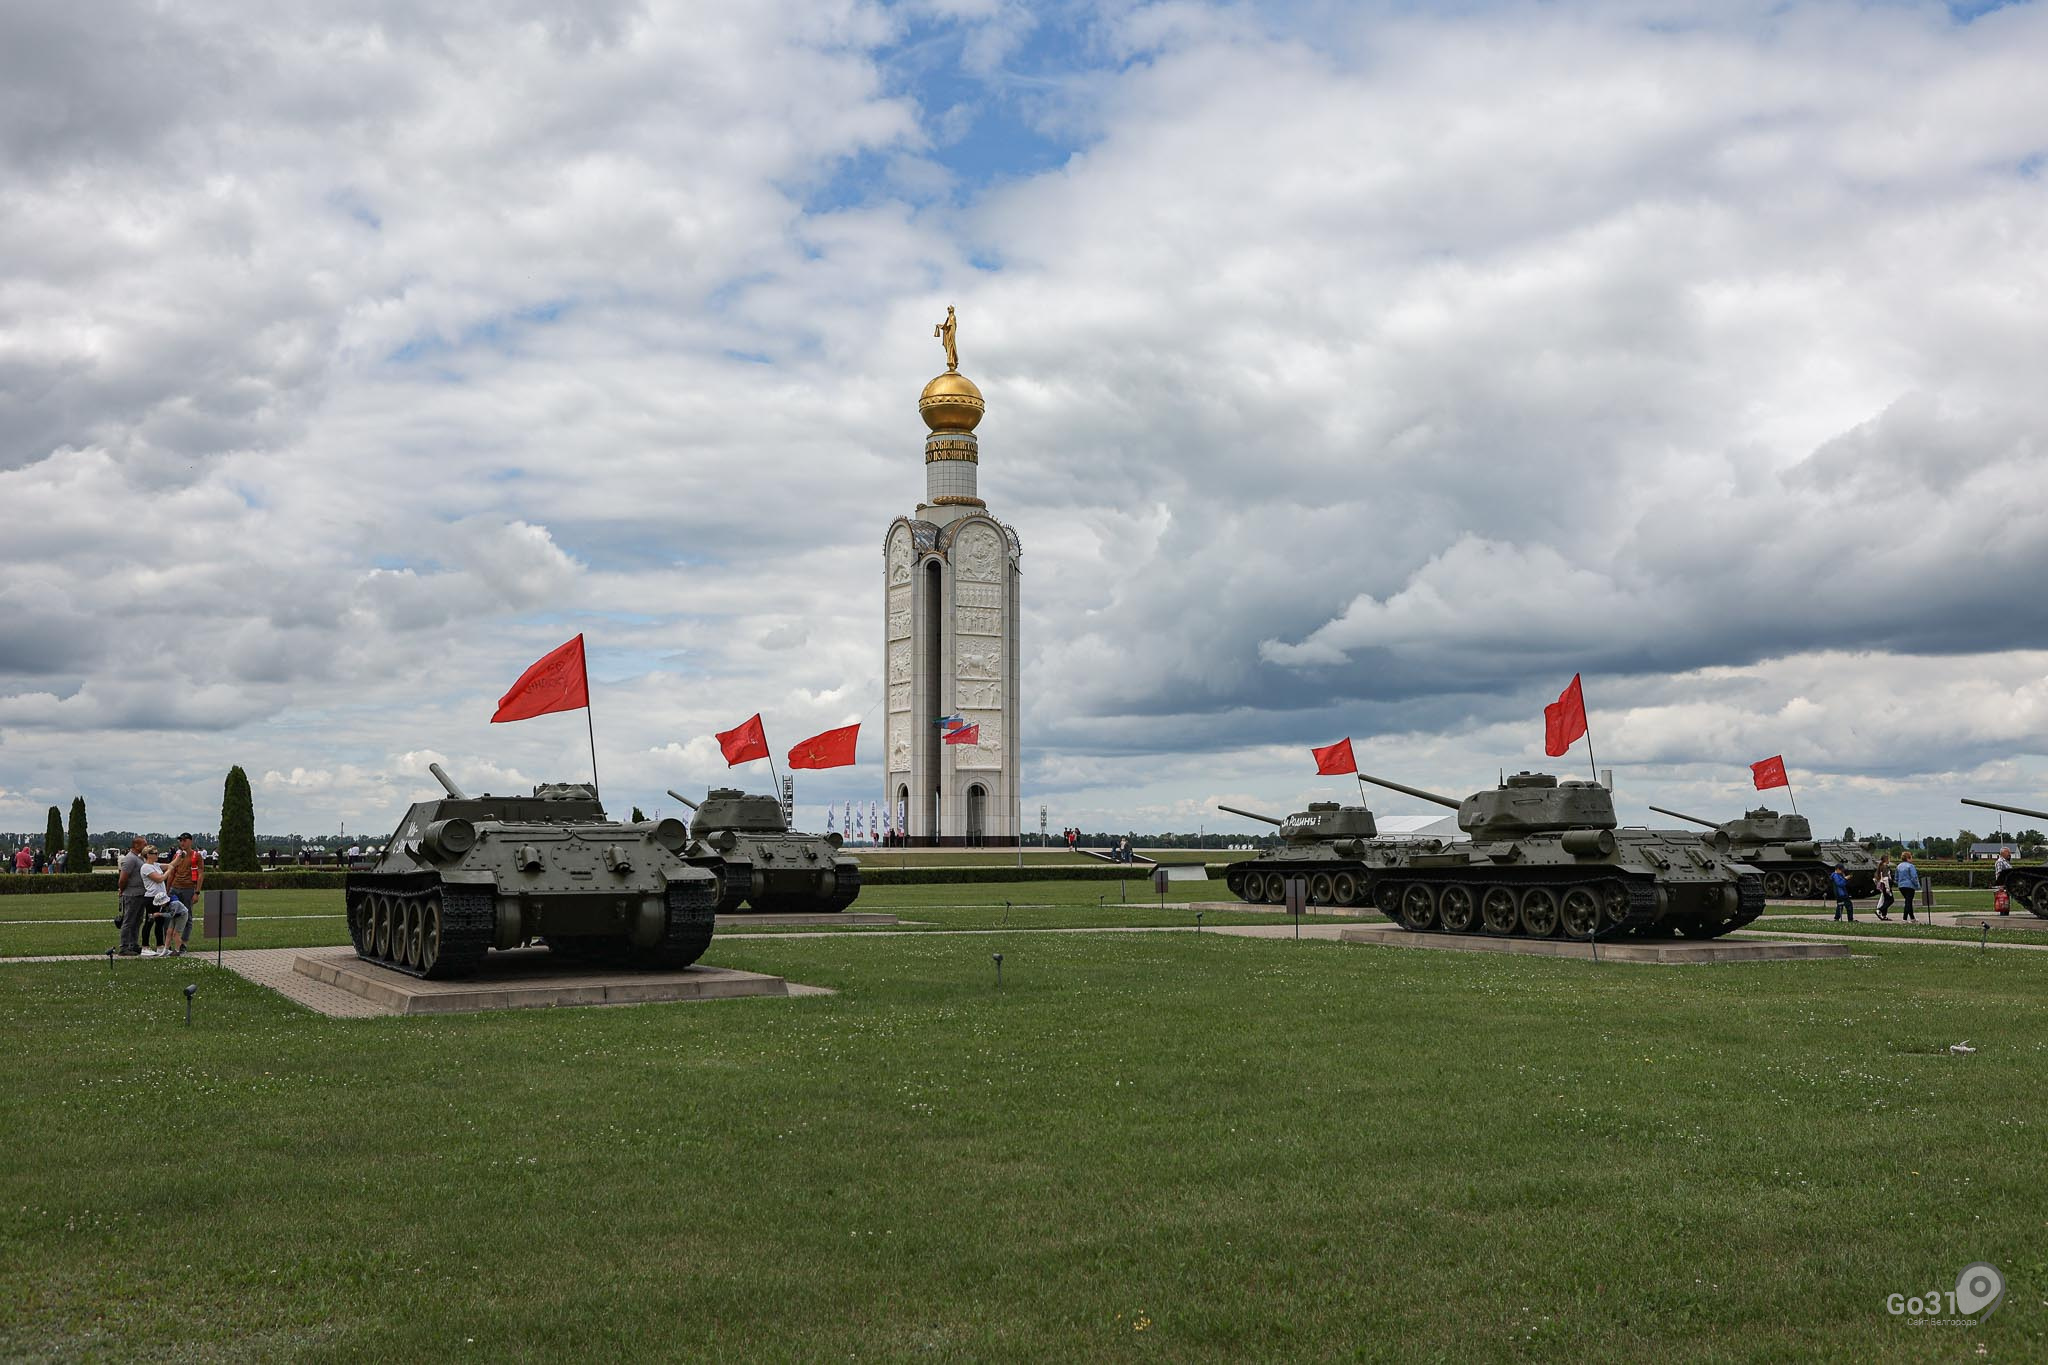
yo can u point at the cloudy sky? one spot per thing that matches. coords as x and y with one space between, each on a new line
1352 368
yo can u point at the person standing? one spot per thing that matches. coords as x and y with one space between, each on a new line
1843 905
185 875
1884 887
1907 880
2000 868
24 859
133 898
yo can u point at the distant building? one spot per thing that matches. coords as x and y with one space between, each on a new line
1988 852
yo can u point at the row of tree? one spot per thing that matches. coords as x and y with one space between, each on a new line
235 851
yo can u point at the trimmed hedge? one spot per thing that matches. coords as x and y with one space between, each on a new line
106 882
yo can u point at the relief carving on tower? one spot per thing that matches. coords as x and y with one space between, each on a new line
981 694
987 752
899 662
978 555
899 623
899 697
977 594
979 659
899 556
899 750
978 621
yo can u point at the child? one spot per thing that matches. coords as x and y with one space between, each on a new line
1843 905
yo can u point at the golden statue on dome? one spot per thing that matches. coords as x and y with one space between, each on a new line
944 332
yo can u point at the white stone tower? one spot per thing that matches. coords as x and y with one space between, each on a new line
950 636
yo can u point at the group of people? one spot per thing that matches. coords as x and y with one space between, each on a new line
156 898
1904 879
34 859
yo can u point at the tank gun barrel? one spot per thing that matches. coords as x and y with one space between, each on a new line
1681 815
447 782
682 798
1412 791
2010 810
1247 814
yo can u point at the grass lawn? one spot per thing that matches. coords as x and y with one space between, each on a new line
1144 1146
81 923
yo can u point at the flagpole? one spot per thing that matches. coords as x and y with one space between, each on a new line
1789 794
1590 760
590 728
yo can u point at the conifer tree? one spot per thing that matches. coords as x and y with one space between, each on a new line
237 824
637 816
77 848
53 835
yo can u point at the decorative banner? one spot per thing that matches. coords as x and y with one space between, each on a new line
557 681
829 813
744 743
833 749
966 734
1334 759
1564 720
1769 773
874 824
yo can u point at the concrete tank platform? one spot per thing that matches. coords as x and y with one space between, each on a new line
1664 951
736 922
527 978
2018 919
1335 911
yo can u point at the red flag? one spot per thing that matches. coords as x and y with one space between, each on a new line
1770 773
744 743
833 749
1335 759
966 734
1564 720
557 682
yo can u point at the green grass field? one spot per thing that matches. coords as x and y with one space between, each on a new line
1141 1146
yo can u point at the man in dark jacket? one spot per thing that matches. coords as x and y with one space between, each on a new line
1843 905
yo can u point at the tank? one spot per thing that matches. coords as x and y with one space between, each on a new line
1329 845
1546 858
2028 885
463 875
761 864
1783 848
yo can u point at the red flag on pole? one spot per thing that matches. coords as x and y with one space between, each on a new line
1564 720
744 743
833 749
556 682
1335 759
1770 773
966 734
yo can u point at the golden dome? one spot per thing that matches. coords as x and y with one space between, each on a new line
950 403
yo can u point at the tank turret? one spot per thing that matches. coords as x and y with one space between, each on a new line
1527 803
763 865
462 875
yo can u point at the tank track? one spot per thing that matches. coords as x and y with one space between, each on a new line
735 882
692 908
1628 914
1778 880
845 890
393 923
1284 868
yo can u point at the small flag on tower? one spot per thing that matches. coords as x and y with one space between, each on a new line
951 722
966 734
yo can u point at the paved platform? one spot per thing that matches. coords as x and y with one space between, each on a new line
1663 951
2018 919
528 978
1338 911
732 923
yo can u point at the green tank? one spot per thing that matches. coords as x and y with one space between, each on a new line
1782 847
1546 858
1329 845
463 875
2027 885
761 864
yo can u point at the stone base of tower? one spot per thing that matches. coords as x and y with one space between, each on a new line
957 841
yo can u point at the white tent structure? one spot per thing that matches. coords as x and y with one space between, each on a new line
1418 826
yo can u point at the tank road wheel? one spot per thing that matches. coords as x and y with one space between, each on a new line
1418 908
1344 889
405 932
1457 909
1497 909
1386 898
1539 912
1235 881
1800 886
429 951
358 923
1270 888
1774 886
1319 890
382 917
1579 913
1614 904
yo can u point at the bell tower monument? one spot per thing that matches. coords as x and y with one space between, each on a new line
949 636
